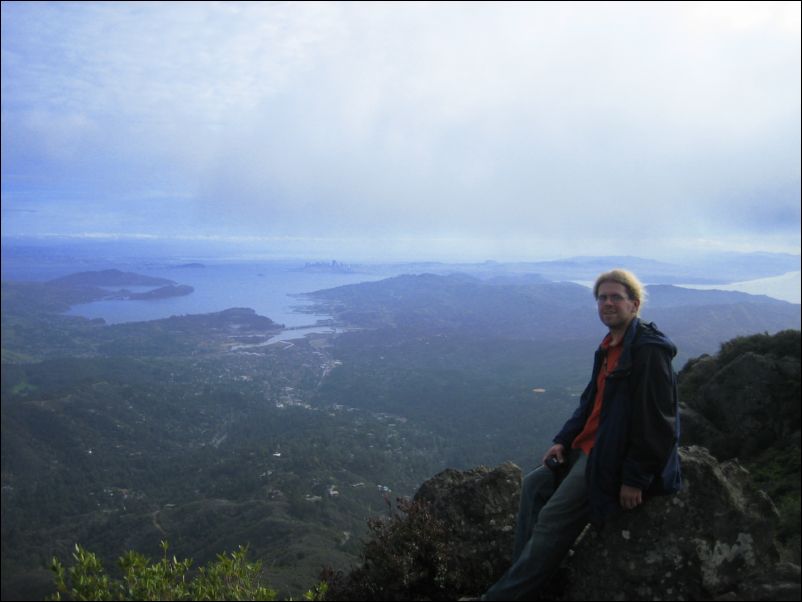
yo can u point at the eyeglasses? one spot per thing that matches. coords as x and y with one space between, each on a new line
615 298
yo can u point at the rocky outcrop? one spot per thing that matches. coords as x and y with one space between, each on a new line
745 405
715 540
712 541
455 537
741 405
478 508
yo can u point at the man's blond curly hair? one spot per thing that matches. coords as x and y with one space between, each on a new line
635 288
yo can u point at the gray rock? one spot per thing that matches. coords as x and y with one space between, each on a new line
715 540
479 506
742 406
712 541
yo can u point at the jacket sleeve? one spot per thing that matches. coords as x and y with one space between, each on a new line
569 431
576 422
653 417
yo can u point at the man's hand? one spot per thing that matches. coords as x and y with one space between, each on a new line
557 451
630 497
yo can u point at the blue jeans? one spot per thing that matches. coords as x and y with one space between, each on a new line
549 522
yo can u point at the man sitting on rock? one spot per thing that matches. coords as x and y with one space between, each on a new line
618 448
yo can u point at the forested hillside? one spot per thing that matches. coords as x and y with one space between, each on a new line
195 430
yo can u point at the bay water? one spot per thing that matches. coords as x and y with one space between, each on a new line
273 289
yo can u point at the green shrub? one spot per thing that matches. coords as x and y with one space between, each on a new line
230 577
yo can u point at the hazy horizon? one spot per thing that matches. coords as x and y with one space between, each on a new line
349 251
773 274
445 131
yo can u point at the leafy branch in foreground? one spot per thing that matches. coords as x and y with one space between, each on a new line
230 577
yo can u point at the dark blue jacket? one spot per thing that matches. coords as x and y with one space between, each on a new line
638 435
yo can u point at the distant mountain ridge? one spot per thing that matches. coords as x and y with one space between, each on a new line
666 295
713 268
697 320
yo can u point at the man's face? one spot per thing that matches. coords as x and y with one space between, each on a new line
616 309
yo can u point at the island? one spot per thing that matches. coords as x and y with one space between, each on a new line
109 278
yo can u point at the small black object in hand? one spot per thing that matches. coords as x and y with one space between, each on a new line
553 463
558 469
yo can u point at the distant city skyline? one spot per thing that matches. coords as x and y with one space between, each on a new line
449 131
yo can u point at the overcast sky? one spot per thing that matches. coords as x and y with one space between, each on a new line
445 130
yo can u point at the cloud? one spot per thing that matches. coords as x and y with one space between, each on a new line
444 120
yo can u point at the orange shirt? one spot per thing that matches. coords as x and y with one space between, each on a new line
587 438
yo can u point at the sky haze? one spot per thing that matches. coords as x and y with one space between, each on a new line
476 130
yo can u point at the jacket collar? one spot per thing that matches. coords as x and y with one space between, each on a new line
625 361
